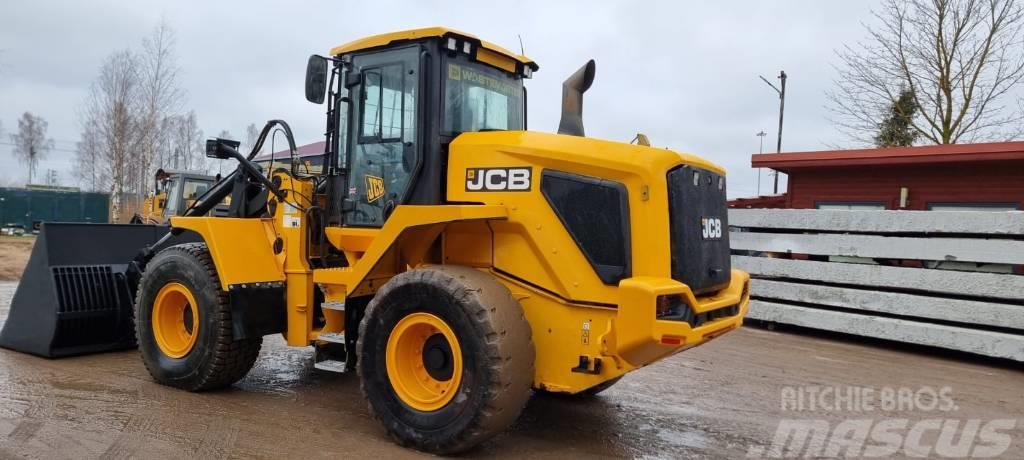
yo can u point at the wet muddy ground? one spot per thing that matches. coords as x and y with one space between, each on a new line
717 401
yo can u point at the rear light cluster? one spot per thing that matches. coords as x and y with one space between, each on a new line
675 308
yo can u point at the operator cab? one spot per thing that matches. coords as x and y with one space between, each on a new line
395 102
176 191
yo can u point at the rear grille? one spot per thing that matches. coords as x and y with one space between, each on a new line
681 311
699 229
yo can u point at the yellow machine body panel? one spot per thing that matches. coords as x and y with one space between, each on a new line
153 208
242 249
571 311
533 244
405 237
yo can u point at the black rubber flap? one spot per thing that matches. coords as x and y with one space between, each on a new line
699 229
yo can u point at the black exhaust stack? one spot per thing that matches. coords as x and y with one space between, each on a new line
572 99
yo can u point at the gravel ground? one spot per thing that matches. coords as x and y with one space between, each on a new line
716 401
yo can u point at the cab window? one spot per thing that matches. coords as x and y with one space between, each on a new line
481 98
384 151
194 188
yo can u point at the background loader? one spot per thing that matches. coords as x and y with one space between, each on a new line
456 261
174 192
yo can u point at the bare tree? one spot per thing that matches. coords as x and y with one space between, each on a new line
88 159
185 143
252 134
112 120
959 58
159 96
30 142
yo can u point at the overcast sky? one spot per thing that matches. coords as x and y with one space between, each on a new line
684 73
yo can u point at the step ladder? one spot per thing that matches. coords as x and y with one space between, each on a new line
330 352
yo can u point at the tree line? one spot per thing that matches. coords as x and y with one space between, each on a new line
134 121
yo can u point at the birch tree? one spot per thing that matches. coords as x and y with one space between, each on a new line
111 115
159 96
88 160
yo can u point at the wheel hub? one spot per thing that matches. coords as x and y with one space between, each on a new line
424 361
437 357
175 320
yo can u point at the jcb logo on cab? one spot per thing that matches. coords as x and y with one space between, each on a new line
374 188
499 179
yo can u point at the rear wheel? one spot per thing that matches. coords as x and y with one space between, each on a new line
445 358
183 323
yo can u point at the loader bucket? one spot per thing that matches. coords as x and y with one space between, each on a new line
75 296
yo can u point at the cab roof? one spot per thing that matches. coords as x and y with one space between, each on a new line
376 41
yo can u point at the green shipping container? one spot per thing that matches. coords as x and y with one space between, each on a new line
31 207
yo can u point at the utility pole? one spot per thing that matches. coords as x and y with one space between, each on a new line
782 110
760 149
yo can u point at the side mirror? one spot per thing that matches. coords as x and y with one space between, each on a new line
316 79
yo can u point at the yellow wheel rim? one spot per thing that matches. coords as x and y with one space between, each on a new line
175 320
424 362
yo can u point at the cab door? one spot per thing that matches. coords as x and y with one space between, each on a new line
383 148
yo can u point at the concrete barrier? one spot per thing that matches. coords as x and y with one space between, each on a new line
949 280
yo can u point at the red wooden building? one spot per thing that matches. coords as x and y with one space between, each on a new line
987 176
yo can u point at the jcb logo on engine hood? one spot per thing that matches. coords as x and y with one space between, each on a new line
499 179
710 228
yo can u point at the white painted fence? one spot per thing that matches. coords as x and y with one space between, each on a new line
854 286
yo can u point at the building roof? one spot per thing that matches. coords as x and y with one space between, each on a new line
316 148
376 41
893 156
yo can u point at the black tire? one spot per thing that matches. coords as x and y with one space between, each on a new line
497 352
216 360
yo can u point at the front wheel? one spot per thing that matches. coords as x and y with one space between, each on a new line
445 358
183 323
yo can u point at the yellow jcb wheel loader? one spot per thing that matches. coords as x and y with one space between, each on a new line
454 260
174 193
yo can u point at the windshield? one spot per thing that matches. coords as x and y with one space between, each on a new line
194 188
478 98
